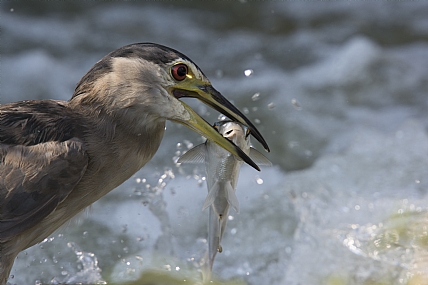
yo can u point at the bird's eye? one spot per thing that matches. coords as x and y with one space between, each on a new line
179 71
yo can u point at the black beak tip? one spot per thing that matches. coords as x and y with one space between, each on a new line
256 134
255 166
246 158
223 101
265 145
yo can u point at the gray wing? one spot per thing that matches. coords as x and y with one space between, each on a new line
35 179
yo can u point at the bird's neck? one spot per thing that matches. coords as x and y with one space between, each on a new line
125 139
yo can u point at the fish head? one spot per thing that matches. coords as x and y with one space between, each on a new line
235 132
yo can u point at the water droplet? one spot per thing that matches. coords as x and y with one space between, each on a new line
219 73
221 117
259 180
246 111
230 218
233 231
177 268
138 180
271 106
12 10
188 144
167 267
248 72
296 104
293 144
257 121
255 97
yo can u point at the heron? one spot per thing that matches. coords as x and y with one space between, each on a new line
59 157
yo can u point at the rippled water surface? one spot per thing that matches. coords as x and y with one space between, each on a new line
339 91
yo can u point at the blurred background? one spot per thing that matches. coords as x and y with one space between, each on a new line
339 91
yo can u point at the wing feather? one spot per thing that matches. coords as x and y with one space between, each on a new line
35 179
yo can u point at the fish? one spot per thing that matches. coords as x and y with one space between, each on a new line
222 172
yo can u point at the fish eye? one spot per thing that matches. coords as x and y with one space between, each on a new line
229 132
179 71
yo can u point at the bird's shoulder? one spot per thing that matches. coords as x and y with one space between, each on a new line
37 121
42 159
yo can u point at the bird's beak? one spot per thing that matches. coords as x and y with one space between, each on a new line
199 125
208 95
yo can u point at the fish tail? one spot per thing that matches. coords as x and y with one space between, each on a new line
214 236
207 268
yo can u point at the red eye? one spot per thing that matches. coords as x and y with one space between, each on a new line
179 71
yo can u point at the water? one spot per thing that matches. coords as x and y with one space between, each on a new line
339 91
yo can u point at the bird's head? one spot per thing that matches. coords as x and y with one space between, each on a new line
147 80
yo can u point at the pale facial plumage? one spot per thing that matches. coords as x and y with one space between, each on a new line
146 88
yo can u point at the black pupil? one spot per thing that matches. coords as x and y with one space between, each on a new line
181 71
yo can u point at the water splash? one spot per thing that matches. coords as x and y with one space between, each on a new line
89 272
400 240
152 196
